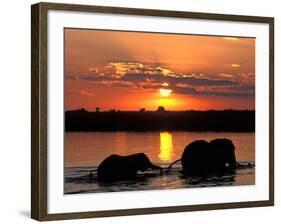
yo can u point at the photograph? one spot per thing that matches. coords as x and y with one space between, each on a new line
157 111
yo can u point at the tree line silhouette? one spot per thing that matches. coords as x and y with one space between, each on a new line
160 120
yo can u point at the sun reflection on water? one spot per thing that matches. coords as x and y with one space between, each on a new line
166 146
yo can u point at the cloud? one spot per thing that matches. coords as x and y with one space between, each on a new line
138 72
240 78
223 75
233 65
145 77
89 77
243 88
123 68
230 94
183 79
86 93
93 70
246 78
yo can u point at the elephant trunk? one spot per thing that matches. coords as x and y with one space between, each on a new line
170 166
233 163
154 167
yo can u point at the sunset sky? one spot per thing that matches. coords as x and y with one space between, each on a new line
134 70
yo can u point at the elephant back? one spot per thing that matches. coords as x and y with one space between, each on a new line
115 167
222 144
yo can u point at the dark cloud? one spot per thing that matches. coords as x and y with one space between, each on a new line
89 77
242 88
232 92
144 77
229 94
175 79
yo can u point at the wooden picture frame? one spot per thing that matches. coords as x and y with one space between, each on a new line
39 108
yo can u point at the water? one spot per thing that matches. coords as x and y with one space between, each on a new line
85 151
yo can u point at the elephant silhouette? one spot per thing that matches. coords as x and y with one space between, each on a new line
201 157
116 167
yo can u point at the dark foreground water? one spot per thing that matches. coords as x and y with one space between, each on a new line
85 151
78 181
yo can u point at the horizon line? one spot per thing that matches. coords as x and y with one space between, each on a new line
157 110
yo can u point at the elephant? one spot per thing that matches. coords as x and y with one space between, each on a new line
116 167
201 157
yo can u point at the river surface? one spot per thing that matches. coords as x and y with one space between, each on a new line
84 151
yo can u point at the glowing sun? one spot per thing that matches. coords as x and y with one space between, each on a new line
165 92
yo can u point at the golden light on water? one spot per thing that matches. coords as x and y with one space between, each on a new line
166 146
165 92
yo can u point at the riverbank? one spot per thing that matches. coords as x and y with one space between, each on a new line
202 121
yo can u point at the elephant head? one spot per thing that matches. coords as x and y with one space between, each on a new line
143 163
224 152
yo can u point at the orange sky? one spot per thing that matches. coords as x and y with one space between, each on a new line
126 70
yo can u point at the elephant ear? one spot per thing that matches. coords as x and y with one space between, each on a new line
142 162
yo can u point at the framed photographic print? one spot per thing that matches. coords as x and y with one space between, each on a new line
139 111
